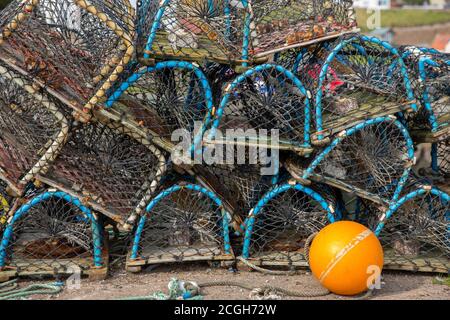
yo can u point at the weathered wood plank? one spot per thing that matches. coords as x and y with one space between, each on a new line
334 124
178 254
427 264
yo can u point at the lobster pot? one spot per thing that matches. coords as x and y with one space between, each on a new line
52 234
372 160
353 79
279 225
431 71
33 129
183 223
171 100
266 107
76 48
236 31
287 24
110 169
415 231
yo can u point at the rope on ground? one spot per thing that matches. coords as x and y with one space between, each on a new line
189 290
8 286
281 272
9 291
178 290
266 291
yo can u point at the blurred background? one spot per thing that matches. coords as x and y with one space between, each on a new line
401 22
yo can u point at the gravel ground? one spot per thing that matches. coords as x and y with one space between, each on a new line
395 286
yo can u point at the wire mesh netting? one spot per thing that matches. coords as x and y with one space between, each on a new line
74 47
33 129
353 79
443 158
169 96
53 233
278 227
418 225
372 159
431 71
183 223
265 100
240 180
109 168
190 29
236 31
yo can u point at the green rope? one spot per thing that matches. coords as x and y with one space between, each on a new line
178 290
266 290
8 286
442 281
9 291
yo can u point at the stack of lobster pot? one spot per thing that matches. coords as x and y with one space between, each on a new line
205 70
213 130
63 172
419 228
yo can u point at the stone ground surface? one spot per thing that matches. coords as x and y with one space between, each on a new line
395 286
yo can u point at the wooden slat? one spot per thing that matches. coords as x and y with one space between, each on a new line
391 262
329 36
297 172
426 136
179 254
280 145
334 125
47 267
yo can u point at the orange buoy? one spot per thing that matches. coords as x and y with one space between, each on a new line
346 257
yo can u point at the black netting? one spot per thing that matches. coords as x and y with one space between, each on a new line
443 158
182 225
33 129
372 161
282 226
352 79
114 172
419 228
430 71
240 186
268 98
165 98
